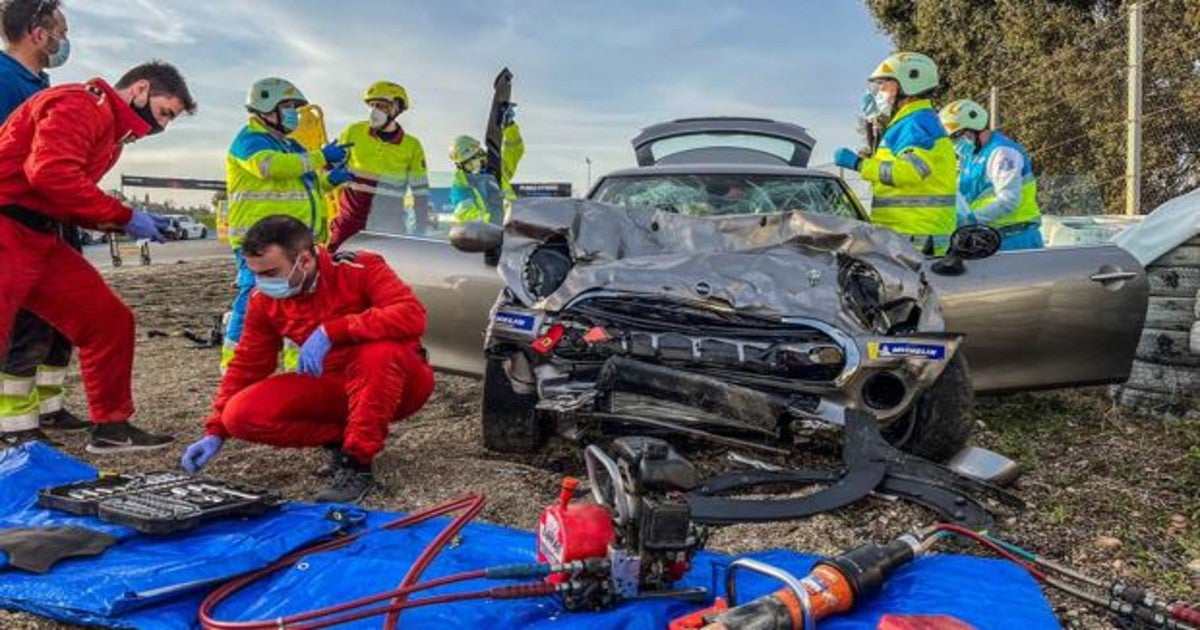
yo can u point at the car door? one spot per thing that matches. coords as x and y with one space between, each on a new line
457 289
1054 317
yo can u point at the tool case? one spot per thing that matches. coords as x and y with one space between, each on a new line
158 502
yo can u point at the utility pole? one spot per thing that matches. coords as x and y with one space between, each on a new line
1133 139
588 160
994 108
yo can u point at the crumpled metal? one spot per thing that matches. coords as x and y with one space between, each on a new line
777 265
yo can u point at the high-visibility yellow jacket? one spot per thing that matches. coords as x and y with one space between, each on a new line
386 168
914 174
998 183
470 199
267 173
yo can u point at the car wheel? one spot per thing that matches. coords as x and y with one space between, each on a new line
204 233
940 422
509 422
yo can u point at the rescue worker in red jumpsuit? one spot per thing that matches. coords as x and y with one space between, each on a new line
362 366
53 151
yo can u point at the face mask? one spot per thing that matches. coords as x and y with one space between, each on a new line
867 106
883 103
964 147
473 165
289 119
379 118
145 113
60 56
278 288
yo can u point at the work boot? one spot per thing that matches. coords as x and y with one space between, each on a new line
20 437
63 421
351 482
123 437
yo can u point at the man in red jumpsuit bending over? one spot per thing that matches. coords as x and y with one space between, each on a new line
362 366
53 151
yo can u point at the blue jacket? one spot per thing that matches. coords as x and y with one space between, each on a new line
17 84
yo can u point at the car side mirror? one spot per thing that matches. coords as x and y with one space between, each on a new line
969 242
478 237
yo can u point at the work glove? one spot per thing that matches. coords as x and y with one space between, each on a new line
846 158
339 175
148 226
200 453
508 114
313 351
335 153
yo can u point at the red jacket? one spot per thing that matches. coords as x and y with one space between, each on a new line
55 148
357 298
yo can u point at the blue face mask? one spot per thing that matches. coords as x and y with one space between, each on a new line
60 56
289 119
278 288
964 147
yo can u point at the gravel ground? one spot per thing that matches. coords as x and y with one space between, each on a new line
1113 494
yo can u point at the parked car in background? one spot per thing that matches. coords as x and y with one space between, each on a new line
184 227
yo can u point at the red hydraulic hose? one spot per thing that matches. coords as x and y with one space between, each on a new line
472 504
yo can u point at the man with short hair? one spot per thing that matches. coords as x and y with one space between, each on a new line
54 149
362 366
35 37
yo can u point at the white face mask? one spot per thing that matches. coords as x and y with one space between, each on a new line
883 103
379 118
474 165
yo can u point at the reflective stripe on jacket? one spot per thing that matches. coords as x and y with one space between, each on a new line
914 174
267 173
1016 201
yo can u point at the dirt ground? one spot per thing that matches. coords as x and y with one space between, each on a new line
1113 494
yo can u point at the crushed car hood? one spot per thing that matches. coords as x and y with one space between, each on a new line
779 265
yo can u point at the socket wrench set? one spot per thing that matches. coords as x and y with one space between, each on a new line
158 502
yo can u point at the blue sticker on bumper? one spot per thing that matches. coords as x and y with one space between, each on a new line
516 322
877 350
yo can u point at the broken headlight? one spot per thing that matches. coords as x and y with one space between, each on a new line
547 268
862 292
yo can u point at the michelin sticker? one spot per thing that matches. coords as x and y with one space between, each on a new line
889 349
516 322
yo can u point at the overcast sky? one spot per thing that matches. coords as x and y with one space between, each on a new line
588 74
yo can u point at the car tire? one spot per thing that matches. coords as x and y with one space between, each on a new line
508 419
203 233
941 421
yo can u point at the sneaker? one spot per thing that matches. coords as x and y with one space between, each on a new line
63 421
32 435
351 482
123 437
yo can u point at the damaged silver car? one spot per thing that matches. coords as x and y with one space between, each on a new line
748 330
756 326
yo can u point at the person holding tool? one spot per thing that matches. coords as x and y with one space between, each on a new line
996 184
476 193
267 173
53 151
35 36
384 165
912 168
362 365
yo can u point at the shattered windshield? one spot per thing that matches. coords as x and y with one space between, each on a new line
717 195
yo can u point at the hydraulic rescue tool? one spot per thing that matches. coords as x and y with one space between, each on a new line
637 538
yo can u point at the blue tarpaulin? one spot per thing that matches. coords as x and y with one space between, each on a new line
157 582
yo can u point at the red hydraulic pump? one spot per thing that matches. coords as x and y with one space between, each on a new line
573 530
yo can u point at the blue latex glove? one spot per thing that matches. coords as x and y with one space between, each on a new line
508 114
313 351
336 153
147 225
339 175
846 158
200 453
